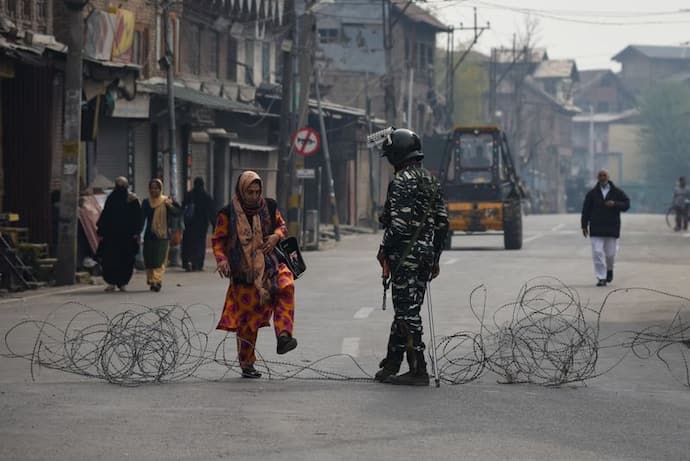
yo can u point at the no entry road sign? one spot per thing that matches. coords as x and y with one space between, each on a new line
306 142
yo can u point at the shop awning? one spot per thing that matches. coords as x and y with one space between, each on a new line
254 147
200 98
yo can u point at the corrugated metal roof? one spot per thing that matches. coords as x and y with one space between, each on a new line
419 14
656 52
350 12
564 106
366 13
507 55
253 147
333 107
565 68
201 99
605 117
61 50
592 75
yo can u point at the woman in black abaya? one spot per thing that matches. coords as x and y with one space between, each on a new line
119 227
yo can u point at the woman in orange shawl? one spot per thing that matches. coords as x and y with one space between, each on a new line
247 231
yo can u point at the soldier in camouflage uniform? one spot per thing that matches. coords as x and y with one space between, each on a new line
415 220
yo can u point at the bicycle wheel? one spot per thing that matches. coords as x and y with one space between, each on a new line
671 218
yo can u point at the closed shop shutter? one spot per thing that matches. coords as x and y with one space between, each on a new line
259 158
142 157
199 154
111 148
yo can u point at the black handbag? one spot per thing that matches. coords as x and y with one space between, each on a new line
288 252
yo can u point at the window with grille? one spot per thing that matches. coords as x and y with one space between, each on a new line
328 35
41 9
12 7
249 62
266 62
136 48
278 60
231 70
421 55
191 63
213 54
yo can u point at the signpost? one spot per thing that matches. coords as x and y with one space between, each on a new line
306 142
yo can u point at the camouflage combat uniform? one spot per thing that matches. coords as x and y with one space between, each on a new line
412 247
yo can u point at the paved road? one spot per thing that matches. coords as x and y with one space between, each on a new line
638 410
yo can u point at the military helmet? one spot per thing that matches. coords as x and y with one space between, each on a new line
402 145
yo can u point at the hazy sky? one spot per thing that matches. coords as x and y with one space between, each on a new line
590 31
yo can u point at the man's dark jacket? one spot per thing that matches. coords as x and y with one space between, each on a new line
604 221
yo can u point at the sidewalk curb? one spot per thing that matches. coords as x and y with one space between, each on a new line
27 295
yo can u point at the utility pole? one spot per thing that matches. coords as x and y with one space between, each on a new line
410 96
327 161
69 191
306 46
286 109
372 158
169 62
478 31
388 83
450 96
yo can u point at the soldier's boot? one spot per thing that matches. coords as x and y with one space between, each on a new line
389 366
417 376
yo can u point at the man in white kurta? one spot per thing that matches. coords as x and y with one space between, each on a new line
601 222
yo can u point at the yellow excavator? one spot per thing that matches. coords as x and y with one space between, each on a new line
480 184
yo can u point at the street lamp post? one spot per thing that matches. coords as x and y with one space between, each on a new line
66 267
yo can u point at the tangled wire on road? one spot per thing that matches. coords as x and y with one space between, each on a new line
546 336
661 341
158 344
143 345
545 340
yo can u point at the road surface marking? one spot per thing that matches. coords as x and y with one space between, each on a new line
568 232
687 234
557 228
350 347
364 312
450 261
534 237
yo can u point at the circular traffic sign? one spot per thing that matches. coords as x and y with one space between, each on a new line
306 142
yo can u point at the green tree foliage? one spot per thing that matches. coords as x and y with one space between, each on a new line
665 115
471 85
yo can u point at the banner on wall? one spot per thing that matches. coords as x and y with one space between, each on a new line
123 36
100 35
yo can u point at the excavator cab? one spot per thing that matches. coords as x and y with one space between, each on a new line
481 185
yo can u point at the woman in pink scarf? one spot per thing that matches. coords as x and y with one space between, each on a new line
247 232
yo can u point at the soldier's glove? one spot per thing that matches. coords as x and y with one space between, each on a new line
435 270
386 270
381 257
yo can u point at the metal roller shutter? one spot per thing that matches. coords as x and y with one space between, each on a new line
111 148
199 154
142 158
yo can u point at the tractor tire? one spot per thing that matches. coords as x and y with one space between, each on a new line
512 232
